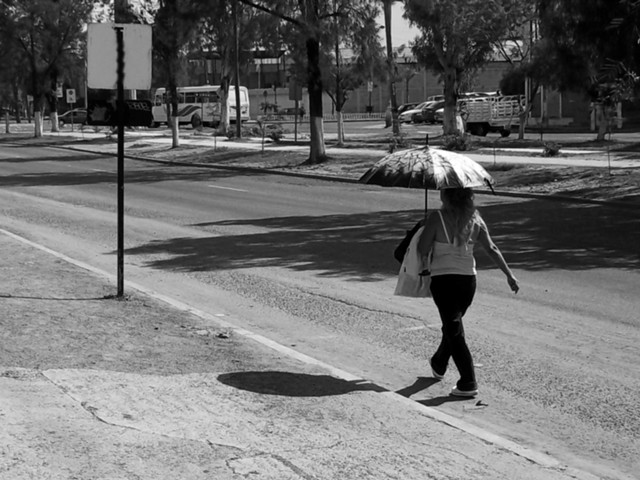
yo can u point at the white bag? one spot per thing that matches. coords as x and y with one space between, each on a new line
414 279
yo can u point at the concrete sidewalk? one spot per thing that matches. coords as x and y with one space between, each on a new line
93 387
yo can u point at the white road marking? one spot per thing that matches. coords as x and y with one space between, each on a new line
534 456
227 188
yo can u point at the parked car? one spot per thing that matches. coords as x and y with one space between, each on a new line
427 114
407 115
402 108
438 115
77 115
407 106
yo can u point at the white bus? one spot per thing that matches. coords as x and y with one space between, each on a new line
200 105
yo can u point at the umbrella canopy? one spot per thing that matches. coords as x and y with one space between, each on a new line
429 168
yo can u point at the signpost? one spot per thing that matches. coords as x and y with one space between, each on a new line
137 113
295 94
71 100
108 46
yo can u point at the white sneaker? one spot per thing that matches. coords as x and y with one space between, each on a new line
456 392
436 375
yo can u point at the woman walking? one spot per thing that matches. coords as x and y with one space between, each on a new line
450 235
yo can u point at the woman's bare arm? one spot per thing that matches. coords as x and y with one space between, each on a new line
429 235
496 255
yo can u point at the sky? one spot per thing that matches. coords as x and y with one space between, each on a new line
401 32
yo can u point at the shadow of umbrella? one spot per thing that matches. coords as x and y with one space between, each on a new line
295 384
428 168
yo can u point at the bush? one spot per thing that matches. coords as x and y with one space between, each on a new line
399 142
550 149
457 142
274 132
248 131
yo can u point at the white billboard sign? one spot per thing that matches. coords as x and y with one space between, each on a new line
102 66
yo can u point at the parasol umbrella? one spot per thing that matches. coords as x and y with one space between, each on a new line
428 168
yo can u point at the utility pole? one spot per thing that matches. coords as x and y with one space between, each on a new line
120 7
236 37
391 69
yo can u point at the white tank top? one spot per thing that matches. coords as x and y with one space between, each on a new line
450 258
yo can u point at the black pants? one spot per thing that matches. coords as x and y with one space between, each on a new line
452 295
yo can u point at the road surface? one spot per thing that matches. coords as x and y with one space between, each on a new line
308 263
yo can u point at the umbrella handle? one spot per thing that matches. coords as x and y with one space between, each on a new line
426 204
489 185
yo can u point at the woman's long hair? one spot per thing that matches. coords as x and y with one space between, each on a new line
459 204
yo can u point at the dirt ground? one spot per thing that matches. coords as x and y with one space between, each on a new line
621 185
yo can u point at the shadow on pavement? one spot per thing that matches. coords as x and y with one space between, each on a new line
421 383
437 401
533 235
295 384
157 174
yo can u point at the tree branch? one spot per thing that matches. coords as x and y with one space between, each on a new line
262 8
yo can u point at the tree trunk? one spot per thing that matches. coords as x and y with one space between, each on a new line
391 69
450 99
172 110
340 129
317 153
38 124
55 124
602 120
225 121
175 132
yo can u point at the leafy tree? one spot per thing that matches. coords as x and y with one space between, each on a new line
45 36
12 81
594 46
392 69
175 25
457 38
356 34
218 34
517 48
311 19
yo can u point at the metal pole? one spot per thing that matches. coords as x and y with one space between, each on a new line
295 120
120 112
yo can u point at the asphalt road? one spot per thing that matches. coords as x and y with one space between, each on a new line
308 263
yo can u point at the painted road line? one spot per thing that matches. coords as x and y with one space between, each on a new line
227 188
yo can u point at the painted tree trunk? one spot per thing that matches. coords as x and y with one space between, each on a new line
38 127
340 128
55 124
225 117
602 120
175 132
